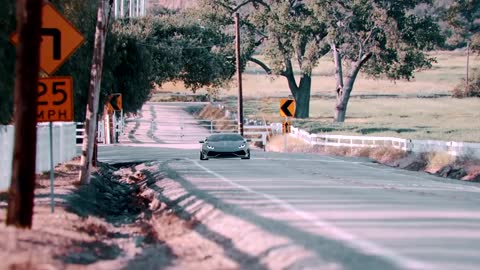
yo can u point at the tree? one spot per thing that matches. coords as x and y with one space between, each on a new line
463 16
94 91
458 21
83 15
287 32
170 46
376 36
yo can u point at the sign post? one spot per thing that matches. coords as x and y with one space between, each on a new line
55 103
287 110
52 176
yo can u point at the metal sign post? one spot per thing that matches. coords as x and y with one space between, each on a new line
287 109
52 200
285 133
55 94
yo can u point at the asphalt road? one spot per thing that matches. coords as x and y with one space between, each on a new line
358 214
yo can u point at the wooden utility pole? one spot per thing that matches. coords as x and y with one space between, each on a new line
239 74
21 193
94 92
467 82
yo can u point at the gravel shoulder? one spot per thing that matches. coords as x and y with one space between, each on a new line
117 222
140 216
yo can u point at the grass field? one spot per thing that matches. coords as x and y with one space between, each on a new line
412 118
407 114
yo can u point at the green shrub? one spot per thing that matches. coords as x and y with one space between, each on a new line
463 90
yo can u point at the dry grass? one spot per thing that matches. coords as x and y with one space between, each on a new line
441 79
212 112
411 118
278 143
438 160
386 155
381 154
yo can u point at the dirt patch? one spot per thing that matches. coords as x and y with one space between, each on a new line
116 222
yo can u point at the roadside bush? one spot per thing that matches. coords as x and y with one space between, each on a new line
438 160
360 152
387 154
473 89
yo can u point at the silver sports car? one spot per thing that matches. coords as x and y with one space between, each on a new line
225 145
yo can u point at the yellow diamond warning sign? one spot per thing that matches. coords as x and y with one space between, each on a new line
59 39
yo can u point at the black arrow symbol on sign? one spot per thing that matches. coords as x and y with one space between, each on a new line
284 107
57 41
114 103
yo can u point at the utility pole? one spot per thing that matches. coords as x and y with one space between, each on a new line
94 92
467 83
239 74
22 187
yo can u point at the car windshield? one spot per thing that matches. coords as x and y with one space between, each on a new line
224 137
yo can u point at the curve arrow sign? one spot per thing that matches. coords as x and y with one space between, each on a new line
287 107
57 41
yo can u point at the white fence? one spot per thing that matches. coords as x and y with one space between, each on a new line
64 148
80 130
416 146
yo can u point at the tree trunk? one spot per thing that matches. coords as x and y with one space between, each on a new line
301 93
343 95
94 92
344 90
21 192
302 97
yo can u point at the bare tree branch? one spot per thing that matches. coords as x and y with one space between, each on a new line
260 41
261 64
237 8
365 58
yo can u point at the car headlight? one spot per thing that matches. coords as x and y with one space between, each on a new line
210 147
242 146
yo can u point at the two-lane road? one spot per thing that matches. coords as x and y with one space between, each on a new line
349 213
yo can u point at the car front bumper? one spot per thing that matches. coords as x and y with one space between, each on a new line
214 154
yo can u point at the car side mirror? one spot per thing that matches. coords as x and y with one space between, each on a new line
202 141
248 140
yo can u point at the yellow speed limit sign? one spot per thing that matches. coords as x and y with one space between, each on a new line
55 99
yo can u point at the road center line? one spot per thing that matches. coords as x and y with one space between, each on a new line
353 241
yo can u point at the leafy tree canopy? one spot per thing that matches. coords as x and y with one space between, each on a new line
286 33
388 32
171 46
